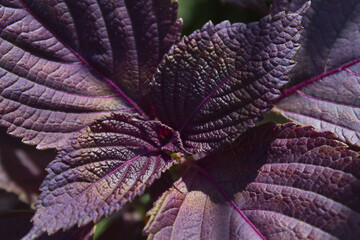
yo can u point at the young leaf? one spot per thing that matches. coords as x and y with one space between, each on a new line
325 83
218 81
61 60
106 165
275 182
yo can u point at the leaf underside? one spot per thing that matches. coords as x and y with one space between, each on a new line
276 182
106 165
325 82
60 61
217 82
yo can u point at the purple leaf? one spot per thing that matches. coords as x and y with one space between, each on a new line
325 83
60 62
106 165
275 182
218 81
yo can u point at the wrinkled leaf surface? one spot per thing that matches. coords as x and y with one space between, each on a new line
276 182
65 63
106 165
325 82
218 81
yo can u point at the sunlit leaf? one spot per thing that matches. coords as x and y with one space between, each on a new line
106 165
65 63
217 82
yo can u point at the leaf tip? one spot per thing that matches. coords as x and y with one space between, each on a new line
304 8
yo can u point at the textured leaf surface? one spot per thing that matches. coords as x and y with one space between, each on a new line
60 61
218 81
105 166
22 168
276 182
326 80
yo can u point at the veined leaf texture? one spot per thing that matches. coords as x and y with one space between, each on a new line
275 182
111 86
217 82
66 63
326 81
